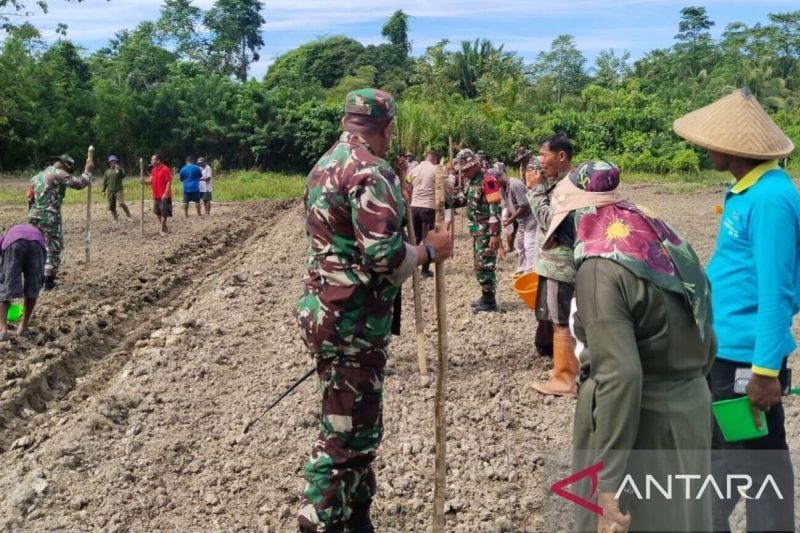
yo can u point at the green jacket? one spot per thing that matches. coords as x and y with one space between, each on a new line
645 407
112 180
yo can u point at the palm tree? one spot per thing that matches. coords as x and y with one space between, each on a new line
475 59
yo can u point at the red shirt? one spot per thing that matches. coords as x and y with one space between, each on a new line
161 177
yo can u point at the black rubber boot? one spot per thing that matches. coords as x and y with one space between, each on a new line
488 304
478 302
49 283
359 521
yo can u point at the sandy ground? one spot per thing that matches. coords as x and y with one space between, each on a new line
124 412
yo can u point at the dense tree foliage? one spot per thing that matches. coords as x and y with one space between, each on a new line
179 85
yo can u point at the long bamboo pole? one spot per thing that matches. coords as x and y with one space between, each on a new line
439 489
453 211
88 239
418 322
141 195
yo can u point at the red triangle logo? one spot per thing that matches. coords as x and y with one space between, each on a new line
558 488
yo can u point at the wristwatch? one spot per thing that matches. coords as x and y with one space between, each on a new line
431 254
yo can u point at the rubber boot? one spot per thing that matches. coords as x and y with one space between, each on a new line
476 303
49 283
359 521
488 304
565 368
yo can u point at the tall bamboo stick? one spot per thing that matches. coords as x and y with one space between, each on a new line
453 211
88 239
141 194
439 490
418 323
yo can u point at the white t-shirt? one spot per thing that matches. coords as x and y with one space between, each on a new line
205 180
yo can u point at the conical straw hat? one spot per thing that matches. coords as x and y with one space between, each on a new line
737 125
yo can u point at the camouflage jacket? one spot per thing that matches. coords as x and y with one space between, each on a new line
483 217
555 261
356 254
48 188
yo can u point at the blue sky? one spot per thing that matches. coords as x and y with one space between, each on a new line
526 27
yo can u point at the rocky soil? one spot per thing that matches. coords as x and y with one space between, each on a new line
125 410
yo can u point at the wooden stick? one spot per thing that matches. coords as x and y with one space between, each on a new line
453 211
439 489
418 322
88 240
141 194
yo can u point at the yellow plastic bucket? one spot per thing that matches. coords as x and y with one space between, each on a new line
526 286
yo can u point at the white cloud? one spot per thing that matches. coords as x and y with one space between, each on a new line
319 15
622 24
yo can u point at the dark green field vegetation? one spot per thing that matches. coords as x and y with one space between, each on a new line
162 87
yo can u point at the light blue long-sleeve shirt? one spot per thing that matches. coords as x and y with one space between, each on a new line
755 270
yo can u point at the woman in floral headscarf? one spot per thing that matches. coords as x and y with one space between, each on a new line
643 314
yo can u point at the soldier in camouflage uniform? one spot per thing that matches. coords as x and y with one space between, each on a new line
45 196
357 260
556 268
483 214
522 157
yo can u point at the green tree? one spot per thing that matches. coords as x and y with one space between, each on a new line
787 42
562 68
396 30
178 25
236 35
62 122
610 69
476 59
18 94
431 78
362 77
325 60
694 25
695 47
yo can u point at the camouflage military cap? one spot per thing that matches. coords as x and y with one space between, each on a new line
535 163
521 155
66 160
465 159
372 102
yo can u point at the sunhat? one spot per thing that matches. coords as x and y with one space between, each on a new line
736 125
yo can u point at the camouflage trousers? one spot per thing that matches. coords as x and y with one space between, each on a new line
485 259
338 472
53 242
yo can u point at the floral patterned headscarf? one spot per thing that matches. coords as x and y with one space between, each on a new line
636 239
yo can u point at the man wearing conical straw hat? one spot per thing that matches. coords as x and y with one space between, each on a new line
755 280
